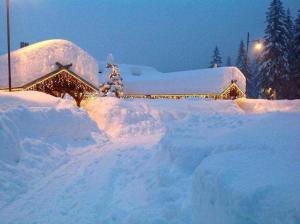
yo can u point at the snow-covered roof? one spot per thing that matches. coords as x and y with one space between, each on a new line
36 60
212 80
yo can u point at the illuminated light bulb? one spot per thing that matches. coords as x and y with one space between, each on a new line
258 46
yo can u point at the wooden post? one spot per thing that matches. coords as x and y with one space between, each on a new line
8 42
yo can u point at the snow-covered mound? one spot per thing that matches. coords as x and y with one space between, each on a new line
24 116
264 106
29 99
121 119
250 174
35 131
213 80
39 59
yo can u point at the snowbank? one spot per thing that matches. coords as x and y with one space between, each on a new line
35 132
39 59
35 115
250 186
250 175
242 164
119 118
30 99
263 106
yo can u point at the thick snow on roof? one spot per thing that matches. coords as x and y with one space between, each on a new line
39 59
149 81
130 71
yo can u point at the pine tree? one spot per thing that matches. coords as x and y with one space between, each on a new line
274 66
228 63
243 65
216 58
114 85
295 63
254 69
289 25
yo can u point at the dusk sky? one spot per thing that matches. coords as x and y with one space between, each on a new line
170 35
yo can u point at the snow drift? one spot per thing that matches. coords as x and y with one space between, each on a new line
39 59
265 106
251 177
35 132
26 118
120 119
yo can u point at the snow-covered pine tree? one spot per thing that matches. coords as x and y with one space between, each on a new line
274 65
243 65
228 62
295 61
216 58
114 85
254 69
289 25
117 81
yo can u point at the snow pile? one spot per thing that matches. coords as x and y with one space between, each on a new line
33 115
242 166
30 99
37 60
120 119
250 174
263 106
34 136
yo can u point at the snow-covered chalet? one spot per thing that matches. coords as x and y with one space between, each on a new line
215 83
55 67
59 67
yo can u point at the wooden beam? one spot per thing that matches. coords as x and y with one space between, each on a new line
60 66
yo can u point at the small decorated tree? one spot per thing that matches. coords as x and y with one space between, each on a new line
114 85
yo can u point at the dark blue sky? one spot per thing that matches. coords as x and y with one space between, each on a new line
170 35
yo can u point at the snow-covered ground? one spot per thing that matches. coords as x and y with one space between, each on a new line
148 161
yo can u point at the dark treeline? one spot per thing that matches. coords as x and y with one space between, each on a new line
274 72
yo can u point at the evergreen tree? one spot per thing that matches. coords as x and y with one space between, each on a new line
114 85
216 58
295 64
274 66
254 69
243 65
289 25
228 63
